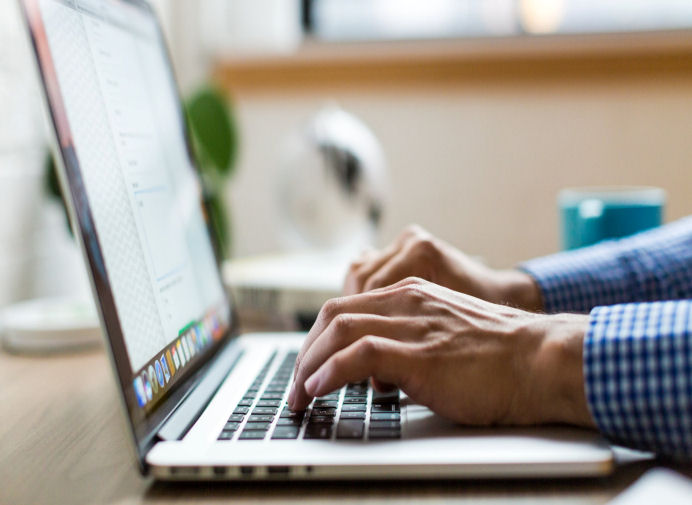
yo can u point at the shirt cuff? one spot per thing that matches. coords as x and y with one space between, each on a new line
577 281
638 375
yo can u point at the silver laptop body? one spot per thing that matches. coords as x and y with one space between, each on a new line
200 401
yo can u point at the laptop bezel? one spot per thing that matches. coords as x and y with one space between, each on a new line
143 427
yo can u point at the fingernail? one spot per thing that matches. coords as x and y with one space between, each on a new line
312 383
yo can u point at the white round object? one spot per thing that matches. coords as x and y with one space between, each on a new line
333 184
50 324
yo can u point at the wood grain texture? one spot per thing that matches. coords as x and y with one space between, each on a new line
62 442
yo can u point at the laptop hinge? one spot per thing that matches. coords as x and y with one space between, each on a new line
189 410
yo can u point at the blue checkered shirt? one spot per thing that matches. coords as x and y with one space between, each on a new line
638 348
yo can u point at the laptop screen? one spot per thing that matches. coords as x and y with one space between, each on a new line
134 188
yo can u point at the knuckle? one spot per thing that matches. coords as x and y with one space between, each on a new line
368 346
413 281
331 308
342 324
425 247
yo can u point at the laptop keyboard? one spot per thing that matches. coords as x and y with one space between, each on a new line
355 412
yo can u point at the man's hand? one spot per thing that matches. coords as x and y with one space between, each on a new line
469 360
416 253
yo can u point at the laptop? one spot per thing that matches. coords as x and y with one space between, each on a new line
201 401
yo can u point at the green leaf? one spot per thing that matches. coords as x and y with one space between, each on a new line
215 134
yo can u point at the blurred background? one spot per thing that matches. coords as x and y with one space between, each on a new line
484 110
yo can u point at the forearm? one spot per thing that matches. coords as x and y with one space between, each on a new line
656 265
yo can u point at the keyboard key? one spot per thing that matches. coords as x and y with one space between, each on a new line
287 421
226 435
257 426
260 418
361 387
353 408
277 384
350 429
323 412
320 431
245 402
352 415
355 399
231 426
275 389
380 425
384 407
252 435
321 420
292 413
388 397
379 434
269 403
332 404
285 433
272 396
385 416
241 410
236 417
264 410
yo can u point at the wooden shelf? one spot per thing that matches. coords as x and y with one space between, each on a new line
483 60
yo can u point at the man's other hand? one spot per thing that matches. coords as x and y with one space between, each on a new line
469 360
416 253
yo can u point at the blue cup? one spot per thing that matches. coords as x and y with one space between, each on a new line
590 215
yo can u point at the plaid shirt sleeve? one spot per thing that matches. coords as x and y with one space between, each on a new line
650 266
638 349
638 375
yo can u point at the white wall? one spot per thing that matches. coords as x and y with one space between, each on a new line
481 166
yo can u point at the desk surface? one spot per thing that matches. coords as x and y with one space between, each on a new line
62 441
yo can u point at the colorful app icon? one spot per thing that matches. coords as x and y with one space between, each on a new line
169 360
166 371
200 337
190 347
159 373
152 378
186 348
215 327
139 391
176 358
147 385
181 352
193 339
206 332
197 334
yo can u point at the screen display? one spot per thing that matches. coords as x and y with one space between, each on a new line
118 118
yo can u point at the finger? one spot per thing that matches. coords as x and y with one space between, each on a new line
344 330
377 302
359 272
400 266
386 360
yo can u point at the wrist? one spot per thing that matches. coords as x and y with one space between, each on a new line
520 290
557 375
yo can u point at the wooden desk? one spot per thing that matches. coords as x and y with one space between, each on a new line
62 441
